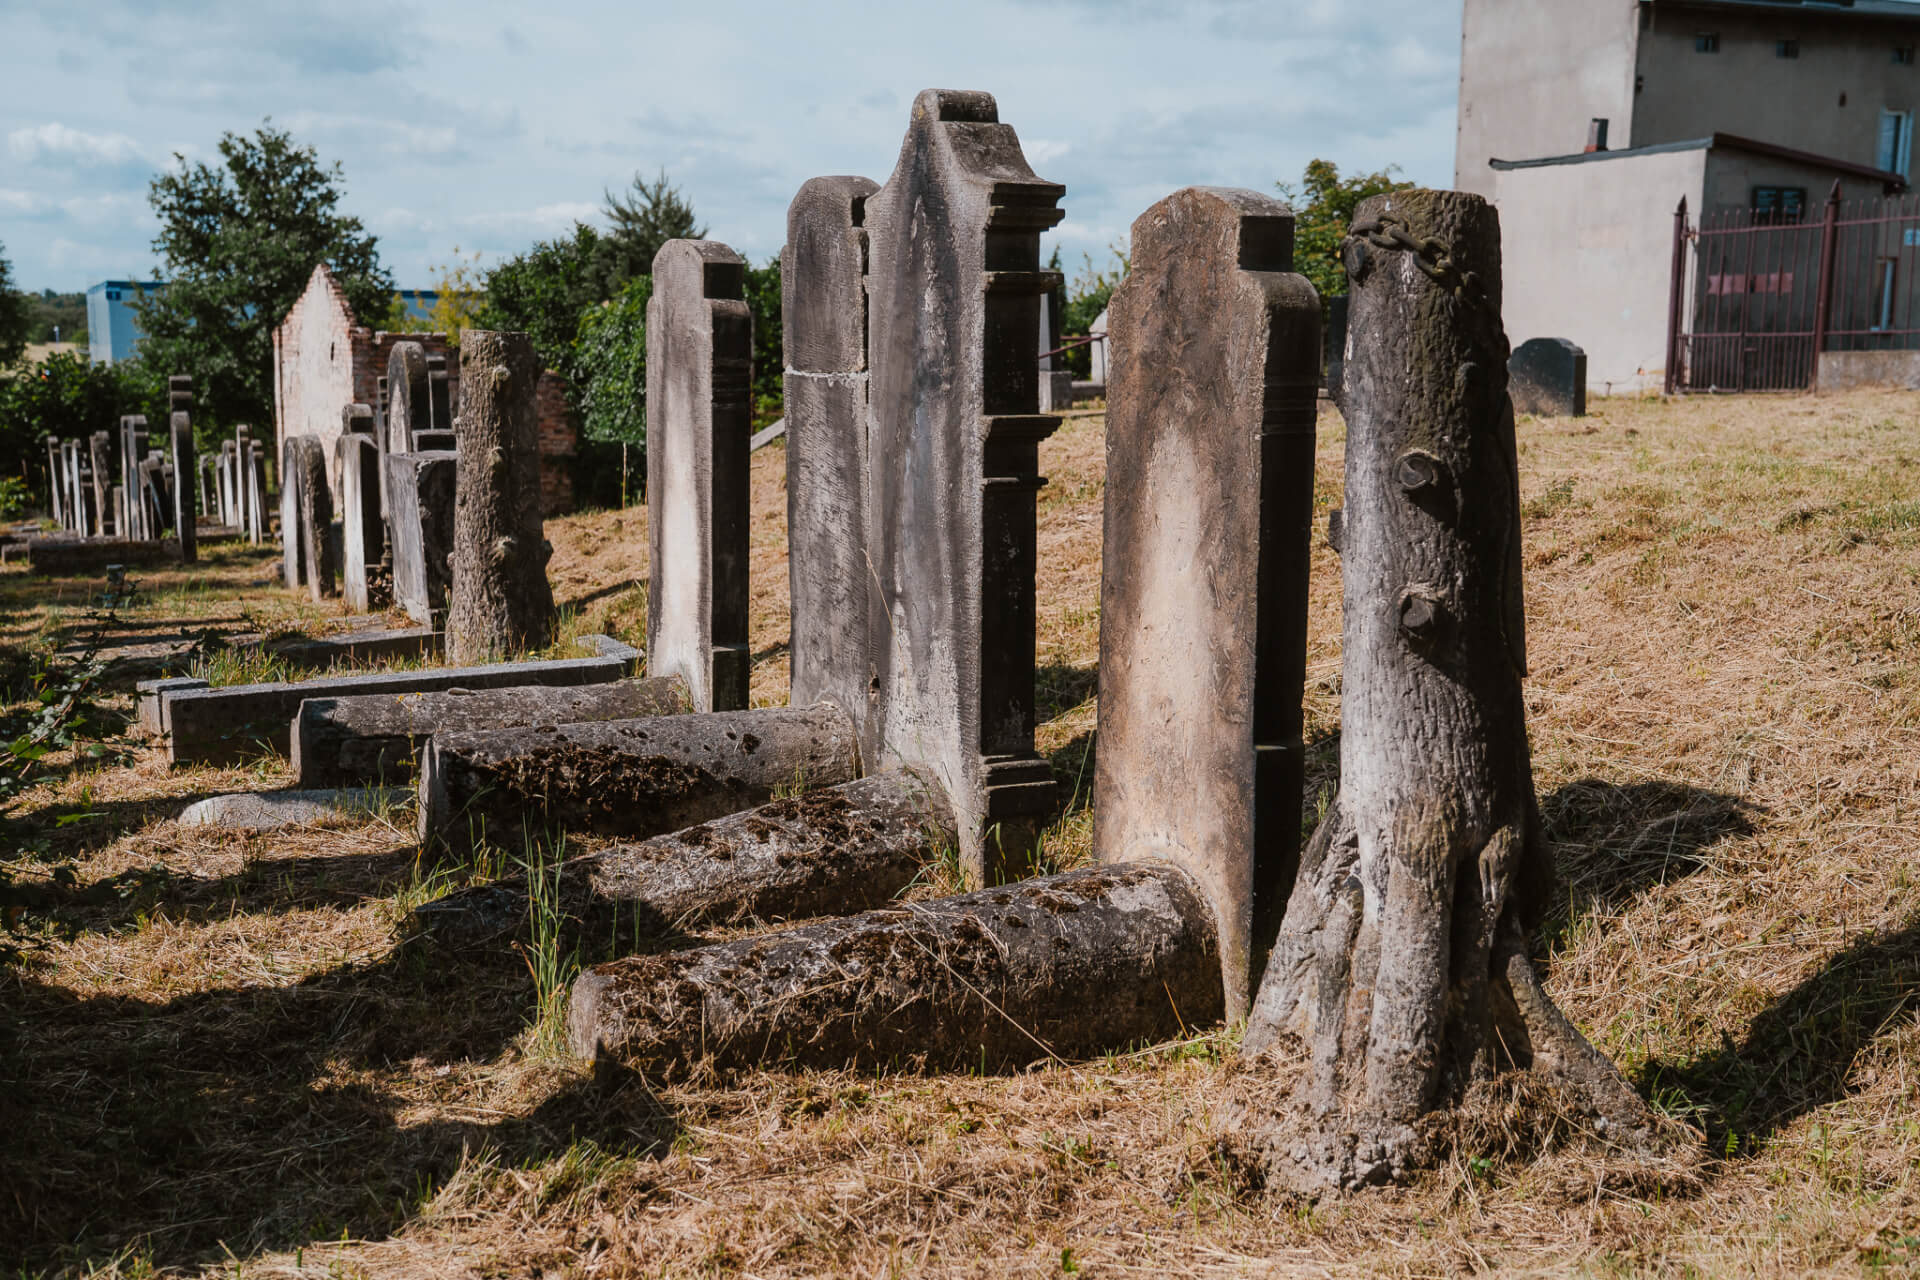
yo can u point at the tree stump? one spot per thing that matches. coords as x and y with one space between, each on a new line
1400 986
501 601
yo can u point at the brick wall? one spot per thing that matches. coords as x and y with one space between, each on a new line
324 360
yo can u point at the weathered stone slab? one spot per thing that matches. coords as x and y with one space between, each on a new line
699 411
149 703
341 742
1073 964
218 726
954 302
362 532
420 498
1203 596
824 321
1548 377
625 777
409 407
292 563
100 450
58 559
307 653
845 848
314 510
273 810
254 488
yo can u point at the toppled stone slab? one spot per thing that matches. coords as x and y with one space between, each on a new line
220 726
846 848
272 810
1085 962
625 777
69 558
341 742
157 657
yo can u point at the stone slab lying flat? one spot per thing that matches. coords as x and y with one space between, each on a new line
220 726
340 742
847 848
152 659
92 556
272 810
625 777
1085 962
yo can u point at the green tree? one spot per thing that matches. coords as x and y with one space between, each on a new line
69 396
611 362
769 344
1323 206
15 316
544 292
238 242
646 217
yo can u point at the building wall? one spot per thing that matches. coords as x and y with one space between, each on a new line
1587 252
1827 101
1533 73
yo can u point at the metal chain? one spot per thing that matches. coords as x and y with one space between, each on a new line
1433 257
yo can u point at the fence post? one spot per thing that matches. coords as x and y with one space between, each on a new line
1674 295
1823 295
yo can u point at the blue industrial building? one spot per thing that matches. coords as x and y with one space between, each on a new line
113 327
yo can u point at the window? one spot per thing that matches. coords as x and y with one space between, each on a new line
1896 141
1706 42
1903 55
1883 303
113 295
1779 204
1786 48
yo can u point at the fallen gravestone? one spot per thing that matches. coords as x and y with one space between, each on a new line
1548 377
272 810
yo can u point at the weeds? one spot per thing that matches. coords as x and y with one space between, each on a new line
553 969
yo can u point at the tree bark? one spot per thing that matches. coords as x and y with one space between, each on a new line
1401 970
502 604
841 849
625 777
352 741
1069 964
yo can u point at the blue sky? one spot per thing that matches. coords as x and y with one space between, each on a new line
488 126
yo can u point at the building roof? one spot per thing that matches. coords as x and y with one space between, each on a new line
1730 141
1899 11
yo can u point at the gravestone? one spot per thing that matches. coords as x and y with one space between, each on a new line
1336 346
255 490
292 563
180 421
954 294
1056 383
243 452
56 489
1548 377
225 473
1097 357
100 449
1203 595
76 489
439 396
823 316
699 401
361 529
134 452
314 507
409 406
381 410
420 495
501 603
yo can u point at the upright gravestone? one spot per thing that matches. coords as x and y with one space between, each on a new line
139 508
824 320
255 486
292 564
226 473
242 452
380 412
1336 347
1548 377
699 398
1056 382
439 395
1203 594
76 497
56 486
180 423
314 506
420 497
409 406
501 603
1097 357
100 450
954 301
361 530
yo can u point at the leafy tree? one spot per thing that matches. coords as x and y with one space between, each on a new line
238 242
460 301
769 345
1323 206
646 217
71 397
611 361
15 318
544 292
57 317
1087 296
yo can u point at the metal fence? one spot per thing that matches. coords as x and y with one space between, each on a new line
1758 294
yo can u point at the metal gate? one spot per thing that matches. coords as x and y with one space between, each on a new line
1758 294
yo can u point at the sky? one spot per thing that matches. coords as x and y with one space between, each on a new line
481 128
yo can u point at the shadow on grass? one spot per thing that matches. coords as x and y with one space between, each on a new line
1799 1054
1613 841
1059 688
270 1117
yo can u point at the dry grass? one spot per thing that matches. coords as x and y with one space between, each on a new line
230 1065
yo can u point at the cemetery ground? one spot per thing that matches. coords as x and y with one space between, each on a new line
225 1058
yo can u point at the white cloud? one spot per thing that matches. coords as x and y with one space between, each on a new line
23 202
544 220
59 143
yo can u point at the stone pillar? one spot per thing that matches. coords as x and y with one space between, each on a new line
824 320
100 449
242 452
954 301
314 503
380 411
226 470
76 498
501 603
361 529
256 493
409 408
1203 593
420 494
292 564
699 417
137 508
180 420
56 494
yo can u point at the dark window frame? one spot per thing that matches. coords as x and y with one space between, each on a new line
1786 49
1775 205
1903 55
1706 42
